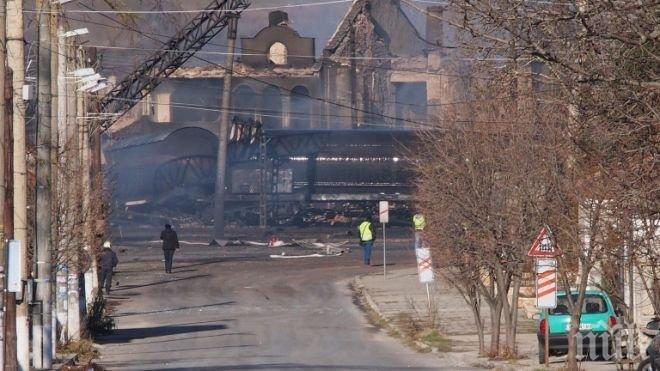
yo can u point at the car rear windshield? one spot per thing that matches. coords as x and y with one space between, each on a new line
593 304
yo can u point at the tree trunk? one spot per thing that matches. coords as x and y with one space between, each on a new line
475 305
503 284
571 357
495 320
576 308
513 315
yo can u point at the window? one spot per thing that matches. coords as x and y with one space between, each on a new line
411 101
244 102
272 107
592 304
278 54
301 108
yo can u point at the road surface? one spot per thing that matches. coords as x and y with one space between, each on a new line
237 309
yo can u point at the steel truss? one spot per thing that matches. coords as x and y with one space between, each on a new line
137 85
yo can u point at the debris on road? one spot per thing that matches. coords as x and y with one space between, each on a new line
302 256
273 242
329 247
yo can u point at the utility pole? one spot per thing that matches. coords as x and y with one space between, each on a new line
74 109
223 134
15 54
55 160
86 201
3 184
86 190
63 241
8 222
42 323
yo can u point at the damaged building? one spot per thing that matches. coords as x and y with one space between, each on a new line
329 130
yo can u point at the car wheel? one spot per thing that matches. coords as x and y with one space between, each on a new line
542 353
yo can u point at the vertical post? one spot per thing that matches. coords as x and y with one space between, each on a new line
263 194
428 297
546 337
3 185
75 104
15 61
86 199
223 133
312 161
63 192
54 155
8 205
384 253
42 321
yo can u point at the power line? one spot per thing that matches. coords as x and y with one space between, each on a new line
291 91
260 111
261 53
367 112
150 50
196 11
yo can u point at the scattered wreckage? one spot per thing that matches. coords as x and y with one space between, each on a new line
325 248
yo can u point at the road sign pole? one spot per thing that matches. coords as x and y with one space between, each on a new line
546 337
384 217
384 254
428 297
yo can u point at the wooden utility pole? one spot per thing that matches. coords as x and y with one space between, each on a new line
41 317
3 185
15 61
223 134
10 297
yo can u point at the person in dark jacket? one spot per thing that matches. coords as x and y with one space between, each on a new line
170 244
107 261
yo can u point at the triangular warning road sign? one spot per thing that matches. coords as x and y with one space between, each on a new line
544 246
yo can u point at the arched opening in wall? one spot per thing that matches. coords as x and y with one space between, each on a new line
301 108
186 164
245 103
272 108
278 54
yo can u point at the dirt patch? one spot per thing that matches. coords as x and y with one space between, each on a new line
84 353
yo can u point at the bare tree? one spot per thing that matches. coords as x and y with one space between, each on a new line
601 60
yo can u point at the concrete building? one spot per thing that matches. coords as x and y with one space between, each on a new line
335 125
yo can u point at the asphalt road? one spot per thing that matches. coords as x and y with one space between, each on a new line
237 309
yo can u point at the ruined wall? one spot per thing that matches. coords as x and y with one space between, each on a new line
385 57
300 50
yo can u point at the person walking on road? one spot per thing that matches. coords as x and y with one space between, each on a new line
367 237
108 261
170 244
419 223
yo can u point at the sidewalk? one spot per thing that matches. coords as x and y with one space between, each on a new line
401 292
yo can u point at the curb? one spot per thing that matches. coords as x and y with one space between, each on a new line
364 293
367 297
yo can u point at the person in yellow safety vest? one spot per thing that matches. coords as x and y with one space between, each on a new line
367 238
419 223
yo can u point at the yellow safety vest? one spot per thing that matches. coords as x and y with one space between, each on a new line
419 222
365 231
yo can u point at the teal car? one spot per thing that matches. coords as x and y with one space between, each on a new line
598 319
